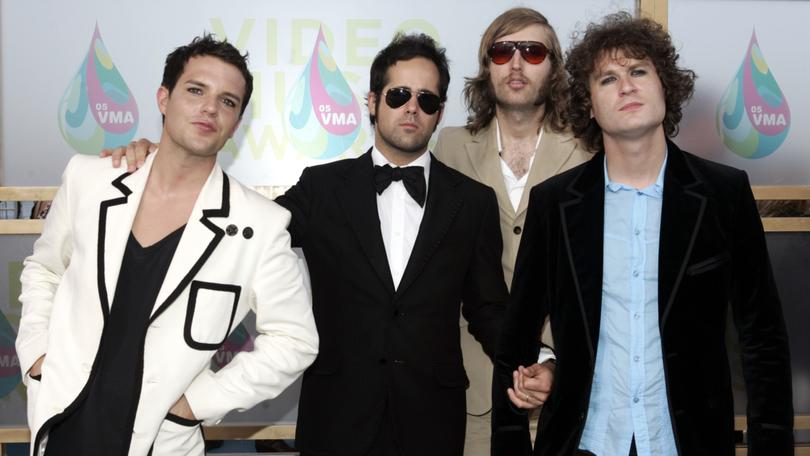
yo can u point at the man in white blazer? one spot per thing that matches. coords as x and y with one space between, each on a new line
139 277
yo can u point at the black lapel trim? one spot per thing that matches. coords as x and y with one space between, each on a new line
682 214
359 200
582 220
441 207
102 237
223 211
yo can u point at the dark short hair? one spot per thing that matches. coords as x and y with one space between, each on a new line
202 46
635 38
407 47
479 95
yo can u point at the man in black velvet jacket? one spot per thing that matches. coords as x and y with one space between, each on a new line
642 366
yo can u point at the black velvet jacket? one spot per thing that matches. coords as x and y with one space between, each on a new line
712 257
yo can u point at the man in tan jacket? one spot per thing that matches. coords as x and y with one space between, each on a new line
515 138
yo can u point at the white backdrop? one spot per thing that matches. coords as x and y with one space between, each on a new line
714 38
45 43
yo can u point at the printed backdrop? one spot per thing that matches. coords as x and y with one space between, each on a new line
751 107
79 76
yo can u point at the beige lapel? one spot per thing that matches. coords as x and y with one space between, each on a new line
204 230
553 153
483 153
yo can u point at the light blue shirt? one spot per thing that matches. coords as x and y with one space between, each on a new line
628 394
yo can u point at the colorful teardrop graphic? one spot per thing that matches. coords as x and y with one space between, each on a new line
753 117
9 363
97 109
322 113
239 340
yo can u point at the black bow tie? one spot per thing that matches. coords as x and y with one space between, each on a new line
413 177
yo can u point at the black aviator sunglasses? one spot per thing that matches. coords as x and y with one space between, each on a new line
428 102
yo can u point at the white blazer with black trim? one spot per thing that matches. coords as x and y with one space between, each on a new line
234 256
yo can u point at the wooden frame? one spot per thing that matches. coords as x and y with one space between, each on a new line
771 224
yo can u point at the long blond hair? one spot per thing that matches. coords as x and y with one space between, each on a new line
479 95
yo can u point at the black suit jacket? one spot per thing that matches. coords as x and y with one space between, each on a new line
712 253
386 350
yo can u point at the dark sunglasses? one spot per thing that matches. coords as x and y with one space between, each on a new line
398 96
533 52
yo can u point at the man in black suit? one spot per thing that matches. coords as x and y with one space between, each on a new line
395 241
636 257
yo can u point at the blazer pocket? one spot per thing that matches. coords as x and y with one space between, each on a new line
210 313
451 376
178 437
31 390
708 264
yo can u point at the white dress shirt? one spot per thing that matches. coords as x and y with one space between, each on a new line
514 186
400 216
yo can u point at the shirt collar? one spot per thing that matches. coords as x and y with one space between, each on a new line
655 190
378 159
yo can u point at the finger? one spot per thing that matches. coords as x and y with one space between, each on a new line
536 397
522 378
139 152
129 154
521 392
517 400
516 382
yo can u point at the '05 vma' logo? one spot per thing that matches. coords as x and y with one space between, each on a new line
97 110
753 117
321 113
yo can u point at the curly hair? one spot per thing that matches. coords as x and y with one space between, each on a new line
479 94
635 38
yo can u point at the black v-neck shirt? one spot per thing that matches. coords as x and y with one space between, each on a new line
101 422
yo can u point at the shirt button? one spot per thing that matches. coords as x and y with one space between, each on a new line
637 232
635 273
517 230
636 316
636 358
635 400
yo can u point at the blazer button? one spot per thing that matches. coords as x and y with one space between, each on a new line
247 232
231 229
517 230
382 360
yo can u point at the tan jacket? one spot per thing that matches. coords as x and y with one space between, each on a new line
477 157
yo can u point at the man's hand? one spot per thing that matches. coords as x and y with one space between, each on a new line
182 409
531 385
36 369
135 154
